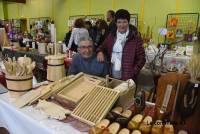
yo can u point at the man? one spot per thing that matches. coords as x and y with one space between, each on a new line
111 20
85 61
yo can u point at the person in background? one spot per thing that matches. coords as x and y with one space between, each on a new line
111 20
39 35
33 30
86 61
1 24
88 26
47 26
19 38
78 31
26 38
101 31
2 34
67 36
124 49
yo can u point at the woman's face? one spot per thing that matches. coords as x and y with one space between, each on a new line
122 25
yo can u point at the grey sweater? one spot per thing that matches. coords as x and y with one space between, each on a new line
89 66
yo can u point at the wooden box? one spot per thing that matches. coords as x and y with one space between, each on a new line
126 96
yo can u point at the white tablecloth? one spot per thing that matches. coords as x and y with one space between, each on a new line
29 120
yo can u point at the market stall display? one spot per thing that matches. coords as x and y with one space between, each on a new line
3 38
19 74
189 96
120 120
94 18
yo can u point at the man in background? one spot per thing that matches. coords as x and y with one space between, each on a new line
111 20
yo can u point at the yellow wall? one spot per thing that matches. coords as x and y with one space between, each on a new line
1 10
154 12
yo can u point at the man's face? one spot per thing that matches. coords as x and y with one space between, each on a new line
122 25
86 49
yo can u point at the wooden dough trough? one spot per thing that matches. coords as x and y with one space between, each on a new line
95 105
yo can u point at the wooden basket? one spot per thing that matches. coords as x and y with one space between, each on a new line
18 85
126 97
55 68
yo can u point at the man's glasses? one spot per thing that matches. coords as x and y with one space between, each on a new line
86 47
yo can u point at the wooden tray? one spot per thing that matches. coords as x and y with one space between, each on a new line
44 92
94 107
76 90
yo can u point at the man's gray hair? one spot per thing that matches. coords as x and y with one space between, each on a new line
84 38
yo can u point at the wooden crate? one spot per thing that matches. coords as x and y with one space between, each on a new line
94 107
76 90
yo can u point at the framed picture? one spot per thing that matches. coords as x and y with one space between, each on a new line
134 20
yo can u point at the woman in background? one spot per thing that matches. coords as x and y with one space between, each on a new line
101 32
78 31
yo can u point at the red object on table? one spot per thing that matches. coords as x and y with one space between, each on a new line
68 62
68 58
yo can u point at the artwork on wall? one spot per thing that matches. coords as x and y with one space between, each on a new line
134 20
92 18
181 27
72 19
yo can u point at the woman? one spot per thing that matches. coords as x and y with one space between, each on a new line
124 48
77 32
101 32
88 26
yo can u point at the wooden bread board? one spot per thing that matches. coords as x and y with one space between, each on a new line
95 105
31 96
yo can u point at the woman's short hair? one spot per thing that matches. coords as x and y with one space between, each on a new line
79 23
122 14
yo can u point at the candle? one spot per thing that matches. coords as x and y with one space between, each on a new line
55 34
69 53
55 40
